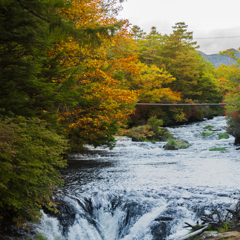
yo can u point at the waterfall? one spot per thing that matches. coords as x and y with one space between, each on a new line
139 191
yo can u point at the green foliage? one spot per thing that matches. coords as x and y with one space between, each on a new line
217 149
233 113
209 127
194 76
40 237
25 68
223 136
138 33
30 155
173 144
229 79
184 146
147 133
154 122
177 52
224 228
140 133
210 227
206 134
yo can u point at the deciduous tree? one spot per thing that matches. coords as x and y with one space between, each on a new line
103 102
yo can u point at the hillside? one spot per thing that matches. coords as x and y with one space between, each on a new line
218 60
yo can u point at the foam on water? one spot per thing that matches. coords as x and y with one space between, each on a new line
141 191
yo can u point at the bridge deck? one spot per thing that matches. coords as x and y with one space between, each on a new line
182 104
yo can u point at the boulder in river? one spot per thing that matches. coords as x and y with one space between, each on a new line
237 140
173 144
146 133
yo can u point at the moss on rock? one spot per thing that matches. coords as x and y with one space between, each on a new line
173 144
151 132
223 136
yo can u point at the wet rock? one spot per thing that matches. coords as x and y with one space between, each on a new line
147 133
66 216
176 144
133 211
159 230
170 147
237 140
163 218
13 233
215 129
211 137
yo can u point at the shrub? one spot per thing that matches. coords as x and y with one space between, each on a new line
172 142
29 156
151 132
154 122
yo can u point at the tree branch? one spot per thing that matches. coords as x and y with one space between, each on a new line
32 12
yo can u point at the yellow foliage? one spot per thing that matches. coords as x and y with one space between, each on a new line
150 82
109 101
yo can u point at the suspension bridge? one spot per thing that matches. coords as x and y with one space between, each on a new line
182 104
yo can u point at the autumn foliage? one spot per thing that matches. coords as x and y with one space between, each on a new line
102 101
71 72
229 80
65 65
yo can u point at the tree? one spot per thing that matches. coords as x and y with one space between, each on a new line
103 103
229 80
54 65
150 84
227 77
27 72
44 76
179 58
150 48
176 53
29 156
138 33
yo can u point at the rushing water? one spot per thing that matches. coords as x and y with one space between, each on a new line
139 191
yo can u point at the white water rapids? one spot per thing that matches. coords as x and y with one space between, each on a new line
139 191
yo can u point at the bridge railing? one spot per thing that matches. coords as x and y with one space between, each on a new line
182 104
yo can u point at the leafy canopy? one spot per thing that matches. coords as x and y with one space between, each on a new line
29 155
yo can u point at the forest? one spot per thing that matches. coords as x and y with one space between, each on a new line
72 73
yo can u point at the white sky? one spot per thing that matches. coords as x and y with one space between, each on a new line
218 19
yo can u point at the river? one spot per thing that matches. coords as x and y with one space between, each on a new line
139 191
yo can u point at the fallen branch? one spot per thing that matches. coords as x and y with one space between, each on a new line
198 232
188 225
